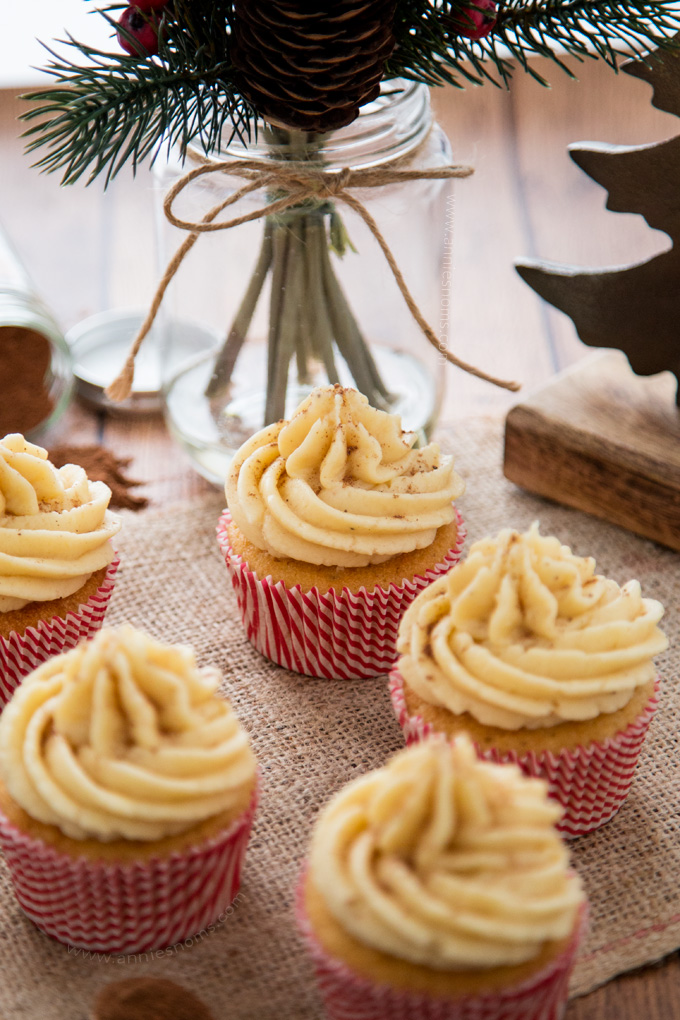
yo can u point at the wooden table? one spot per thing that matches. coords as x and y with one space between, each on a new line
88 251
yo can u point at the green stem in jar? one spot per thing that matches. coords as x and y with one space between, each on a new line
280 251
304 350
220 381
309 315
288 333
351 343
317 308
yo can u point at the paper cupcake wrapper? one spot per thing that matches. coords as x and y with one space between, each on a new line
350 996
128 907
21 653
335 635
591 783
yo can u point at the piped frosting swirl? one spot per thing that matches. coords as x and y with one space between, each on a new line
340 484
523 633
123 737
446 860
55 528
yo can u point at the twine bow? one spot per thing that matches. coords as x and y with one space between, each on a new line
299 182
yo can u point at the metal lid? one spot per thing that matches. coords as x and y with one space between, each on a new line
100 343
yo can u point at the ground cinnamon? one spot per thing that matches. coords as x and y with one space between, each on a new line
148 999
25 358
101 465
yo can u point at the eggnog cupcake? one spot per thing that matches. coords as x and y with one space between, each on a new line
438 887
127 792
57 562
542 661
334 524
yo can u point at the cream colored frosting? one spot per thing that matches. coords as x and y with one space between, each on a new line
340 484
446 860
523 633
123 737
55 528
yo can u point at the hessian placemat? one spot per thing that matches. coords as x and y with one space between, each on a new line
311 737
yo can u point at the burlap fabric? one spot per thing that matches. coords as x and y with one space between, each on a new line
313 736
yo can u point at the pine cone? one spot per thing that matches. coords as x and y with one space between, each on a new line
311 65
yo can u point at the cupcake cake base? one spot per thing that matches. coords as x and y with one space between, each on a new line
359 983
327 631
27 640
125 897
591 778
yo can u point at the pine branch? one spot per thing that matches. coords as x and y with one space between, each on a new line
107 109
114 108
430 50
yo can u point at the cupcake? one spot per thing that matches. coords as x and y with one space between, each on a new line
57 563
127 792
542 661
437 888
334 524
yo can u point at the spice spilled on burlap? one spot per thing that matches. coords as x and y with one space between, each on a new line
102 465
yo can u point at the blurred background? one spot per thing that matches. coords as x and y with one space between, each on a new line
22 24
88 250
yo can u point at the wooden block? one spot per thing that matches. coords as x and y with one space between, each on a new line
602 439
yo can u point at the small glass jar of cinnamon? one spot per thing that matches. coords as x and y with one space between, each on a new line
36 370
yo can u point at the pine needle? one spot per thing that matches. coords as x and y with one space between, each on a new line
107 109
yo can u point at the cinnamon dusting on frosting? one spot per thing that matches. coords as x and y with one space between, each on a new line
340 484
446 860
523 633
55 526
123 737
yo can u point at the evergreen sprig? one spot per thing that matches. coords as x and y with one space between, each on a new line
116 108
112 108
430 49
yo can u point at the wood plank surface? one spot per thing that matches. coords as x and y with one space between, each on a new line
88 250
603 440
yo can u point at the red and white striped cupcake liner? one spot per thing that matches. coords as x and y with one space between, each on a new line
126 907
334 635
591 783
350 996
21 653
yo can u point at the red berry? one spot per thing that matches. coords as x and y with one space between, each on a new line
151 5
144 30
477 20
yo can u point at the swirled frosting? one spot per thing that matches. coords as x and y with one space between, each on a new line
525 634
340 484
446 860
123 737
55 528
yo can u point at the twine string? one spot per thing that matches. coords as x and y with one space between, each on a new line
299 182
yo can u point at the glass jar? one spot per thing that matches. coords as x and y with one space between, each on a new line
340 319
36 369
